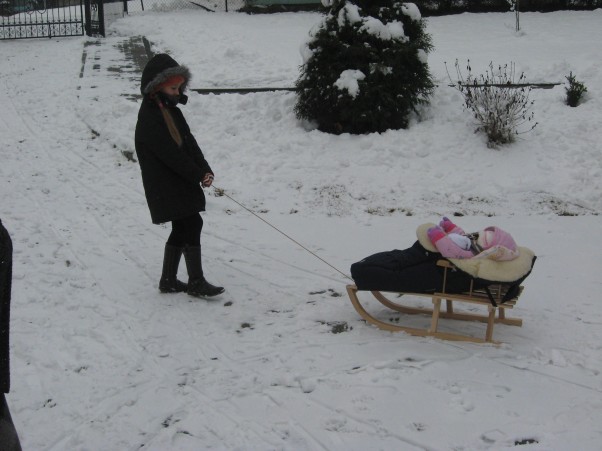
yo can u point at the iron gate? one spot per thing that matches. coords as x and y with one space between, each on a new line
41 18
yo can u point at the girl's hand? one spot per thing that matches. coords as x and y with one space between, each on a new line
207 180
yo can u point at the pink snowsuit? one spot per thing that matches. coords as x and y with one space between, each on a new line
492 243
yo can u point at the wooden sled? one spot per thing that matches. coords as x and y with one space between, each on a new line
493 300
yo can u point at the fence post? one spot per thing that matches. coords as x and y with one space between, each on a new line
88 18
101 18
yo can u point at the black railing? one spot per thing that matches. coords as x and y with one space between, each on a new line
21 19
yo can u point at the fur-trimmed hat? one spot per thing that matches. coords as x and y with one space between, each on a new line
158 70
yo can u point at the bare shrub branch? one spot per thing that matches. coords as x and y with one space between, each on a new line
498 101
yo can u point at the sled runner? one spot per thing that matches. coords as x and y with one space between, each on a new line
488 285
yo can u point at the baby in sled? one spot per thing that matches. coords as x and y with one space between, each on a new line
485 257
452 242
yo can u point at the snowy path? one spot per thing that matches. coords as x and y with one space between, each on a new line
102 361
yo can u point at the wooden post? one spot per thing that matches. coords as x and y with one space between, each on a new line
435 315
449 305
490 322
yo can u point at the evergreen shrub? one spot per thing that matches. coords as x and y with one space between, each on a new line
365 67
574 91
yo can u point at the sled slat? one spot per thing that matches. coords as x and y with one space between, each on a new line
495 314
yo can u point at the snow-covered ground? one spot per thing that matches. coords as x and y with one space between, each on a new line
102 361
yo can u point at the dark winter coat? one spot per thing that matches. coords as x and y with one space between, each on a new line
171 175
6 266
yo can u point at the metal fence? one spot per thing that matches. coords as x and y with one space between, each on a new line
445 7
134 6
48 18
20 19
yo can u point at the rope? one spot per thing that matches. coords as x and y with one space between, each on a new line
222 192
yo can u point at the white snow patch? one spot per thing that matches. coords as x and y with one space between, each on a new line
412 11
348 81
349 12
375 27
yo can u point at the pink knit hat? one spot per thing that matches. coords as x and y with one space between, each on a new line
494 236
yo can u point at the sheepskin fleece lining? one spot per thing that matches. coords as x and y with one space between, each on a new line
483 268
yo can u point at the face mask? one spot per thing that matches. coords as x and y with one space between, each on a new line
168 100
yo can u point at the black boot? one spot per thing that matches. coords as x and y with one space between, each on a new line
171 260
197 285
